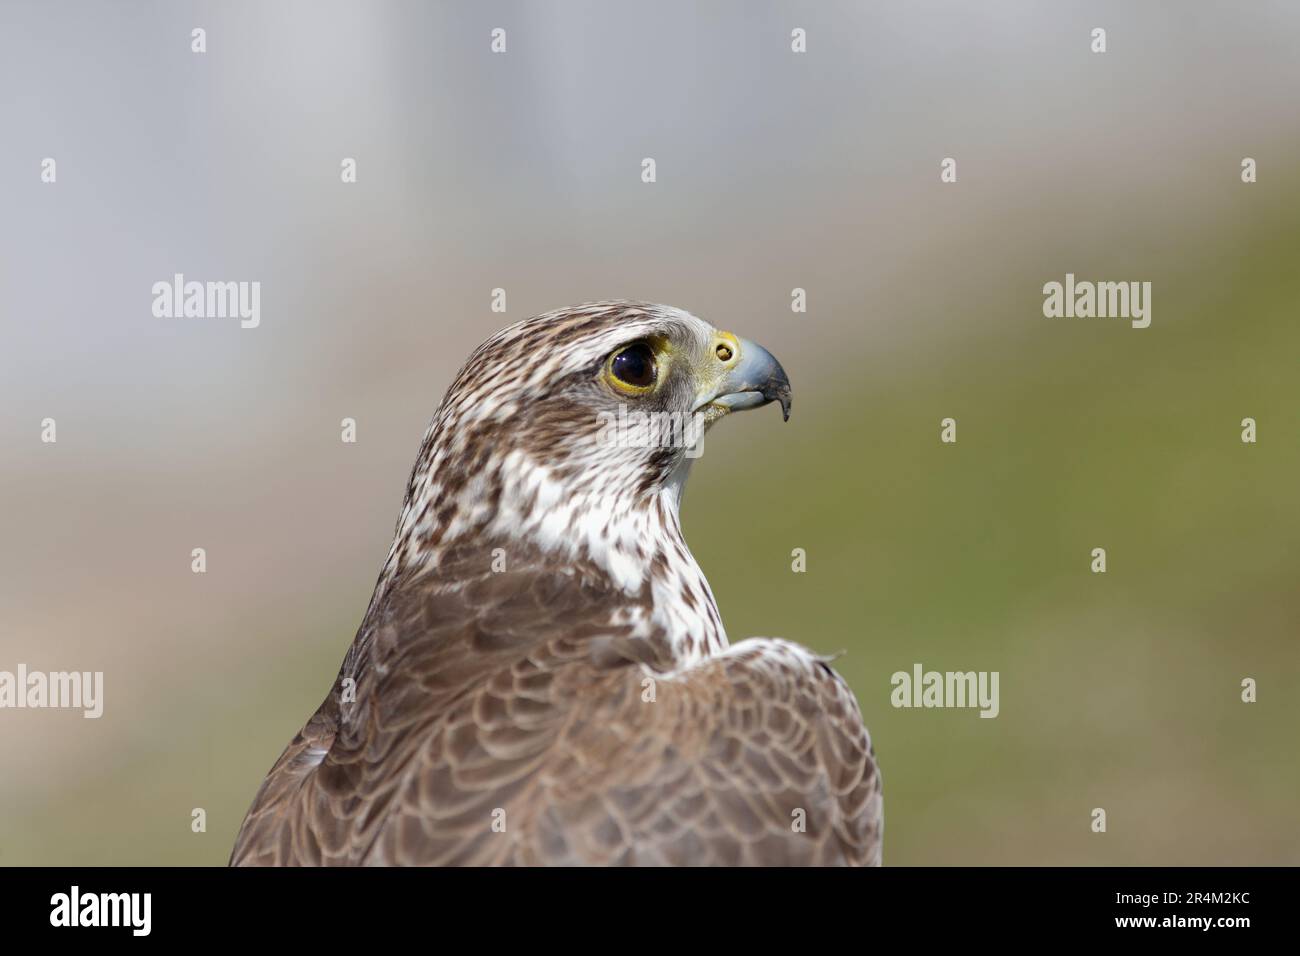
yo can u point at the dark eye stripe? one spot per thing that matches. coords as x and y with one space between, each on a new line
635 366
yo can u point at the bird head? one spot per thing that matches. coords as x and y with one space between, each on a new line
572 433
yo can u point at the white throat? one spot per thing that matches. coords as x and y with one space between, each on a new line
637 542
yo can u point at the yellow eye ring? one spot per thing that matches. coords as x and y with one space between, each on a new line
632 369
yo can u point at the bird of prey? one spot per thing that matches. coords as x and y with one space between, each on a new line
542 676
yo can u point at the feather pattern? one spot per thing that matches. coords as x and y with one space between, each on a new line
550 711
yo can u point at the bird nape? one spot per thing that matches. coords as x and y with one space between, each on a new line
542 676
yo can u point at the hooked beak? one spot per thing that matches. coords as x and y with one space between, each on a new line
755 379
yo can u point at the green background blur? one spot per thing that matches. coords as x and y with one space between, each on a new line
819 171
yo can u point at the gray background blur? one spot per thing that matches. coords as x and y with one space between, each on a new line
775 170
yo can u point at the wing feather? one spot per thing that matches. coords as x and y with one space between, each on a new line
503 720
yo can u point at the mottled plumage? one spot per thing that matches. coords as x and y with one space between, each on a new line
542 676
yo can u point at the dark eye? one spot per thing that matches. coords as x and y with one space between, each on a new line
634 366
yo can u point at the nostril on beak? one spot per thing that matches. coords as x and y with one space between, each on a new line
724 352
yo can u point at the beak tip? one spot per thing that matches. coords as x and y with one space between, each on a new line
778 390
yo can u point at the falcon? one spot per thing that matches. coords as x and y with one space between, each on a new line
542 676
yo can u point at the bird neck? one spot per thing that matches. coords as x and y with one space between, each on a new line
631 538
683 608
634 539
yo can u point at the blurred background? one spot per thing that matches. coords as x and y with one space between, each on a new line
775 170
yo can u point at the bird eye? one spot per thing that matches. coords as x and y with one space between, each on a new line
634 366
